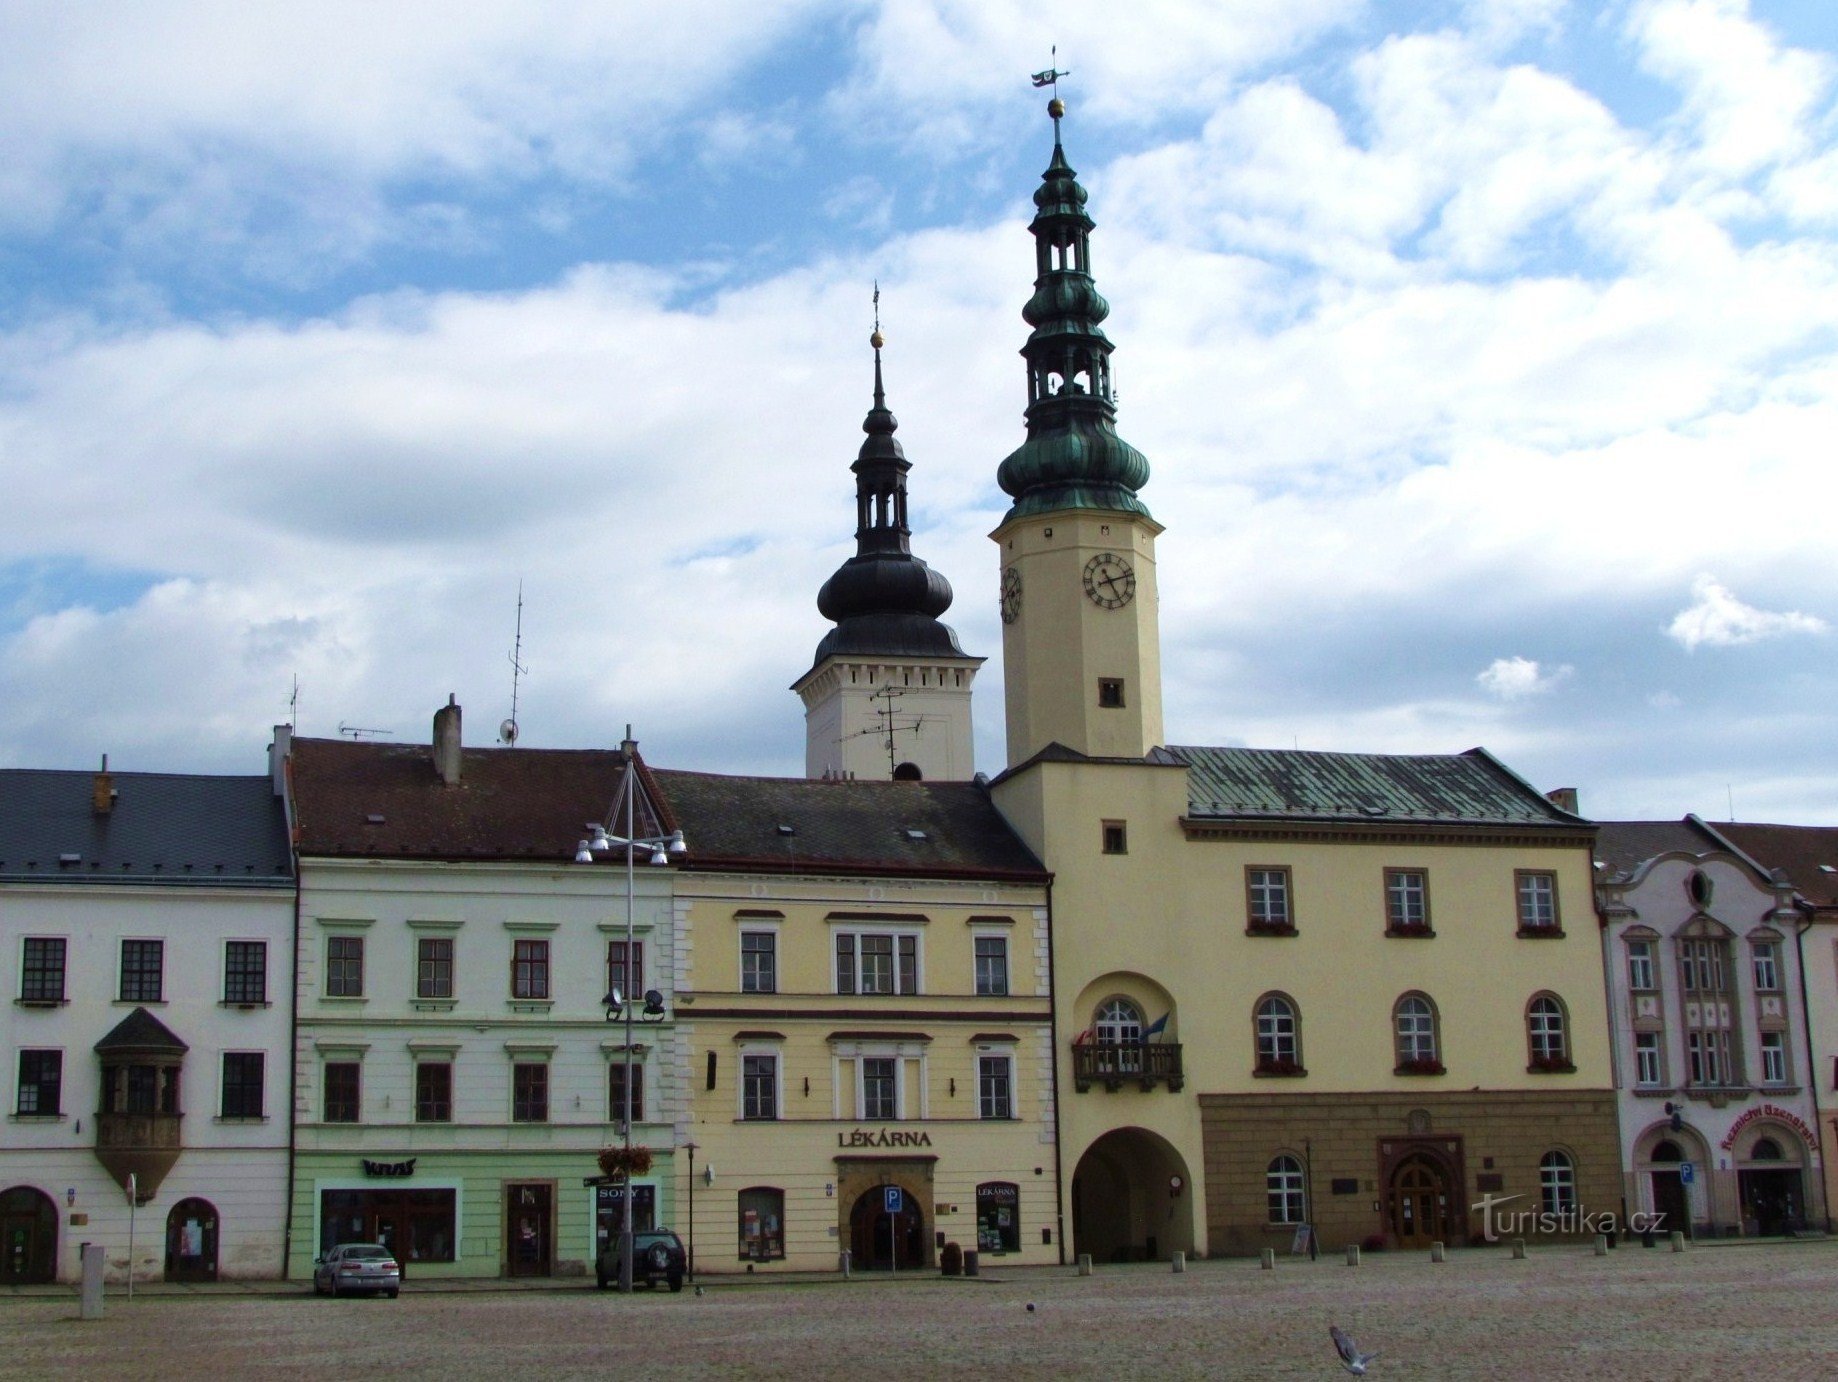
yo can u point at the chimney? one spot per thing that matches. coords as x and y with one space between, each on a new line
277 757
447 742
1564 799
102 797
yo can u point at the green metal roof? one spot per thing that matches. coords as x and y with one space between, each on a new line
1472 788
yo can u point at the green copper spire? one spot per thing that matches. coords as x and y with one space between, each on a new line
1073 457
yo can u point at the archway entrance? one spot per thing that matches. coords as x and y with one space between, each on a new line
1132 1199
191 1241
529 1240
1773 1190
1670 1202
886 1239
1419 1202
28 1237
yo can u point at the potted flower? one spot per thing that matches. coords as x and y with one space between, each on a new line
622 1163
1279 1065
1420 1065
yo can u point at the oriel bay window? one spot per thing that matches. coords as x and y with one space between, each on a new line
877 962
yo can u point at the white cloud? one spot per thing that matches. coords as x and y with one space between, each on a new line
1719 620
1514 678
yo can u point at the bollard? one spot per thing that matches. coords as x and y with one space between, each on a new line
1180 1262
845 1264
1437 1253
1352 1254
1678 1242
1084 1264
970 1262
93 1256
1646 1236
1601 1245
1269 1262
1518 1249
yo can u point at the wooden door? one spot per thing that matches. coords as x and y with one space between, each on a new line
1670 1204
529 1249
1419 1199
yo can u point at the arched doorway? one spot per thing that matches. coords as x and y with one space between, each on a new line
1671 1162
1132 1199
886 1239
28 1237
1769 1180
1419 1201
191 1241
1671 1206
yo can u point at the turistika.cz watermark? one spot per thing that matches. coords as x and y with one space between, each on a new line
1572 1221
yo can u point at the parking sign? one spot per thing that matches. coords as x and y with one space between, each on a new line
893 1199
1687 1173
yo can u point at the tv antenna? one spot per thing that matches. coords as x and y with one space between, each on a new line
507 732
359 732
890 724
293 702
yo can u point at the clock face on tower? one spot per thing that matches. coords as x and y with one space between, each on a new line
1011 595
1109 581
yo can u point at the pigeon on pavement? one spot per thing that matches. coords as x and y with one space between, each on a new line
1350 1357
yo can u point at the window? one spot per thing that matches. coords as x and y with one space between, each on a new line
1557 1183
142 971
245 972
1283 1191
529 1092
1110 693
1407 902
877 962
1278 1052
1709 1055
1267 892
995 1086
434 967
41 1081
880 1087
992 965
1537 903
1544 1031
759 962
998 1216
1640 966
1701 962
1706 976
1116 837
343 1086
344 967
615 1091
1774 1058
627 978
759 1087
1647 1068
1119 1023
1414 1021
1767 956
41 975
434 1091
530 969
762 1224
242 1084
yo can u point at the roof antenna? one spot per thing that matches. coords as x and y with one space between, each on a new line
358 731
1731 790
293 702
507 732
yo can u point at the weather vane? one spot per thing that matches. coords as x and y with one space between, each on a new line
876 340
1050 77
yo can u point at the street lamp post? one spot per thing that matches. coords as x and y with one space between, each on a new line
662 849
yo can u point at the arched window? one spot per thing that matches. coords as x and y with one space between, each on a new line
1284 1189
762 1224
1279 1027
1119 1023
1414 1024
1557 1183
1546 1033
1667 1150
1765 1149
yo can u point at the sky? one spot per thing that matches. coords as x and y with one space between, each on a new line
1485 353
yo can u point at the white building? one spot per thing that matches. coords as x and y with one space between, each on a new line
146 925
1719 1118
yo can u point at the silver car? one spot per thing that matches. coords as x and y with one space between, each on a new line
353 1267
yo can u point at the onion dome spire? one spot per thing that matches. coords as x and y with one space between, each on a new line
884 600
1073 457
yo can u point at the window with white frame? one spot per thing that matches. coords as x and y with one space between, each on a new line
1767 958
245 971
1710 1007
1709 1056
1557 1183
992 964
1267 899
1284 1187
1544 1030
878 1079
759 962
1407 900
1414 1024
1278 1050
877 962
1774 1057
1640 973
1537 901
995 1086
1648 1069
759 1086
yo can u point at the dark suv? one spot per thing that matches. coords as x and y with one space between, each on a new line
657 1255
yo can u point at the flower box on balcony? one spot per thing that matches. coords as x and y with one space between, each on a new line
1281 1068
1270 928
1410 930
1419 1067
1551 1065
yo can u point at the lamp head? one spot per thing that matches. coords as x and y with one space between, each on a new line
654 1005
599 844
614 1003
659 858
677 847
583 854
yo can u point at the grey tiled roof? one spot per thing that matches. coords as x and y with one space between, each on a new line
166 828
1625 845
140 1030
844 826
1471 788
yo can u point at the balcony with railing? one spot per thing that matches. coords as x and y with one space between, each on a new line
1113 1064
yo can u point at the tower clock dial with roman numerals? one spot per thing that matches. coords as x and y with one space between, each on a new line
1109 581
1011 594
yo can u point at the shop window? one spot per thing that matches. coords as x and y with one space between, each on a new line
762 1224
343 1091
245 972
998 1217
416 1225
433 1092
1284 1191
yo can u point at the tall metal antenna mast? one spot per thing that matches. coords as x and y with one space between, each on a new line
507 732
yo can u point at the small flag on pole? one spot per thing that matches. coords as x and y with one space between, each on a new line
1083 1037
1157 1027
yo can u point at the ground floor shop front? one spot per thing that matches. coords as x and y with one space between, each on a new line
470 1214
1749 1168
1406 1170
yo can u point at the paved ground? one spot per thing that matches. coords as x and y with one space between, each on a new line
1710 1313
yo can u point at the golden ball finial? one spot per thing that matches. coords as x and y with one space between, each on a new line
877 340
1056 108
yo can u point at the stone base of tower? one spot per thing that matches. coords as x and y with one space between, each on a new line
854 705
